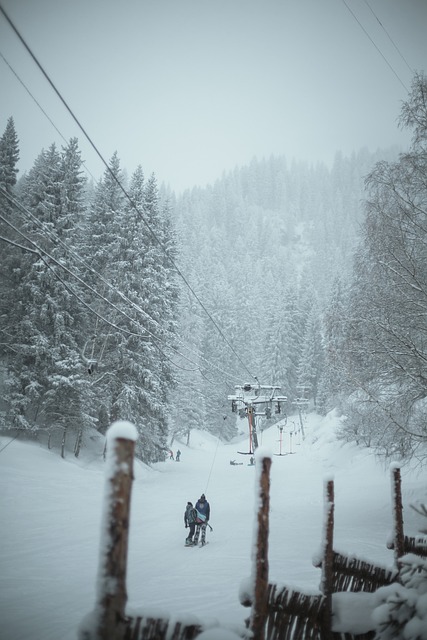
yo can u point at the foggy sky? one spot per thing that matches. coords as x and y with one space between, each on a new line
190 88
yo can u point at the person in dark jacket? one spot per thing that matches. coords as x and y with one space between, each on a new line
203 509
190 516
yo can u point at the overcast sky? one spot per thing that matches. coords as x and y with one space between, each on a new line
192 88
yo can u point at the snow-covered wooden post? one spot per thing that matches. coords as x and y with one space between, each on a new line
327 584
398 535
107 622
260 572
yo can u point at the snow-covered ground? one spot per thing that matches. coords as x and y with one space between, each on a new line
51 513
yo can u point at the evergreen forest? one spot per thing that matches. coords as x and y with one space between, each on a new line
122 300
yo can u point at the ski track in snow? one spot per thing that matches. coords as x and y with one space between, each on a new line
51 514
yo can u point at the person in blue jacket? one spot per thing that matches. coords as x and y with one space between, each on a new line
203 509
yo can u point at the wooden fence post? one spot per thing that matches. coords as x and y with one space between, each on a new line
108 620
398 535
327 584
259 606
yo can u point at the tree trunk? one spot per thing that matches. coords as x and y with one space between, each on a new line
398 535
328 560
78 444
64 437
259 606
112 594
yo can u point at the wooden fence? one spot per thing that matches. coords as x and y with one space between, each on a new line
352 574
276 613
140 628
293 615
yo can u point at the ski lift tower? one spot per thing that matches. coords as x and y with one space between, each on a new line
302 402
253 401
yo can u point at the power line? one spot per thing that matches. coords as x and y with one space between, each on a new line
40 107
389 36
376 47
54 238
42 254
114 177
48 259
33 98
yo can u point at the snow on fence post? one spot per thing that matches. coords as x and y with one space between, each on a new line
327 580
108 621
398 535
260 600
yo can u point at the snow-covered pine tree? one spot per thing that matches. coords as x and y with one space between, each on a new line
10 255
187 404
101 247
9 156
158 298
221 339
133 375
331 383
310 365
152 288
281 348
46 375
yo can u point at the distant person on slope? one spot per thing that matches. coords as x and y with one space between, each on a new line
203 514
178 455
190 516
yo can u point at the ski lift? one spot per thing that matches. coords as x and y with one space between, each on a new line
92 366
278 405
301 403
254 397
91 362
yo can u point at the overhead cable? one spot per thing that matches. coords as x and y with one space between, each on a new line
124 298
389 36
40 107
48 260
376 47
119 184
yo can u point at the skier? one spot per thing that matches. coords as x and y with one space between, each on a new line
178 454
170 454
190 516
203 514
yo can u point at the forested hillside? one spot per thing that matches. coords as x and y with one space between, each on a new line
265 247
124 300
88 298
